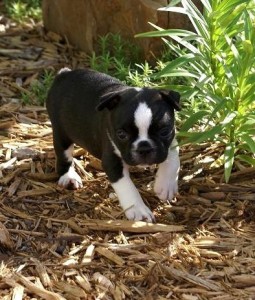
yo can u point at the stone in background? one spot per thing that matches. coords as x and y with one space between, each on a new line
82 21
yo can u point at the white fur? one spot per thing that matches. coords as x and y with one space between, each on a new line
70 178
115 148
143 118
63 70
130 199
69 153
138 89
166 182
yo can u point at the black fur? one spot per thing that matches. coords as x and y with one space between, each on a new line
86 106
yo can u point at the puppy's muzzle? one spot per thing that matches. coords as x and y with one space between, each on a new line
145 153
144 148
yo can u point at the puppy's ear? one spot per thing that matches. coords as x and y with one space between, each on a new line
109 101
172 97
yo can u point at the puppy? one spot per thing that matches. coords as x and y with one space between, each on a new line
122 126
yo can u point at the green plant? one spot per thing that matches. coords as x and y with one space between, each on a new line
119 58
218 64
23 10
37 92
141 75
114 55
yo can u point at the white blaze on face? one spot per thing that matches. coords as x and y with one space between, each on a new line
143 118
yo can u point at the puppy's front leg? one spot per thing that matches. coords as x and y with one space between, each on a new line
166 182
129 197
64 156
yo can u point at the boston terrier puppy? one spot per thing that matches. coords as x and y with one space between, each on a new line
122 126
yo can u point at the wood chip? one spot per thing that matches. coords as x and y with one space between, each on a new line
83 282
5 239
14 186
42 273
33 288
130 226
89 254
103 280
35 192
110 255
71 290
209 285
244 280
18 292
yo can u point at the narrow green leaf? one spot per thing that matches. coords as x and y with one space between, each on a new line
179 73
232 46
199 137
174 64
228 72
186 44
229 154
181 60
185 91
248 27
207 5
246 158
165 32
175 9
174 2
227 4
193 119
196 18
173 33
231 12
229 118
249 141
250 79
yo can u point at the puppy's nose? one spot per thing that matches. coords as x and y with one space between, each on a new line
144 148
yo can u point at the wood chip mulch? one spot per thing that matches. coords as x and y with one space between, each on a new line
60 244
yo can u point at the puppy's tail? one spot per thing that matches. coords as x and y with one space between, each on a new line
63 70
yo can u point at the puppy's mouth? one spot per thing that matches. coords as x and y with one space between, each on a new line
145 159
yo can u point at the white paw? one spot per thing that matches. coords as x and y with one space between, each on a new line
166 182
165 187
70 180
140 212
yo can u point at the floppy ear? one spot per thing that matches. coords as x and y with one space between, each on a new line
109 101
172 97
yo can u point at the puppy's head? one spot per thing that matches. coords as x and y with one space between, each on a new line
141 123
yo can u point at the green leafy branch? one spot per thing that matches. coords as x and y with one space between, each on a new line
218 61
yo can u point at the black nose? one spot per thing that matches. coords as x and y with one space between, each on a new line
144 148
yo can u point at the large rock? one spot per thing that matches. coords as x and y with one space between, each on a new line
82 21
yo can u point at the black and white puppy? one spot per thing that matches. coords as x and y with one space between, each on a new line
122 126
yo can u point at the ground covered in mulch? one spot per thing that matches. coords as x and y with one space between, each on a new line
61 244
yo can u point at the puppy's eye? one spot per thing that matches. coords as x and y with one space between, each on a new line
165 132
122 134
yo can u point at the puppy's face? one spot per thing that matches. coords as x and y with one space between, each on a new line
141 124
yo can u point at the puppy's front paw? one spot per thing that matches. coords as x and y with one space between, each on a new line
70 180
140 212
165 187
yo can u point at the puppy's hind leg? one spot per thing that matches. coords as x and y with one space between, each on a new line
64 156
